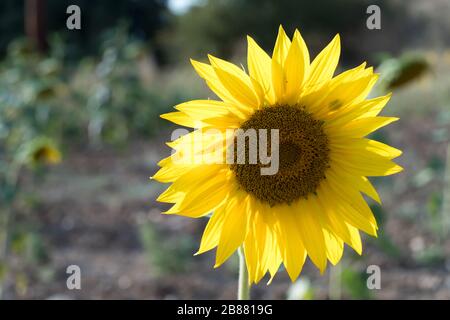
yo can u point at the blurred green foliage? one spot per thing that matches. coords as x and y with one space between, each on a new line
400 71
118 97
216 26
107 98
48 102
166 255
98 16
384 241
354 284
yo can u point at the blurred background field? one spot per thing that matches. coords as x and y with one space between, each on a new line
80 134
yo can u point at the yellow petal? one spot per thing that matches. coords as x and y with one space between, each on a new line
208 73
203 198
204 109
240 74
274 245
255 245
362 127
355 239
292 249
370 165
324 65
211 235
192 176
360 183
312 234
296 68
238 89
351 209
234 228
260 68
279 55
336 222
170 173
320 97
278 82
281 48
363 109
354 147
334 245
344 93
182 119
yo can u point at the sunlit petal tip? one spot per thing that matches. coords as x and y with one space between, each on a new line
212 60
163 198
194 62
281 29
164 115
378 200
334 263
162 162
201 68
297 35
337 42
399 153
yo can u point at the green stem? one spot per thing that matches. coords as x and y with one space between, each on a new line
244 285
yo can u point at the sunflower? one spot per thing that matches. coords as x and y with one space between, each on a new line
314 203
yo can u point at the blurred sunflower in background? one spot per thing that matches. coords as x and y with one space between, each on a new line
39 151
314 203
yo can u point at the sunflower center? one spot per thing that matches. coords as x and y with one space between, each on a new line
303 156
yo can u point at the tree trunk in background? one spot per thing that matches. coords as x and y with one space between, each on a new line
35 23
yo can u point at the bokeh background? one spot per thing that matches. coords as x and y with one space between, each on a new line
80 135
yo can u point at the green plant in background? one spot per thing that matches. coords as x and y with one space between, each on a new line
122 92
384 241
401 71
30 86
354 284
17 237
167 256
51 100
105 99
